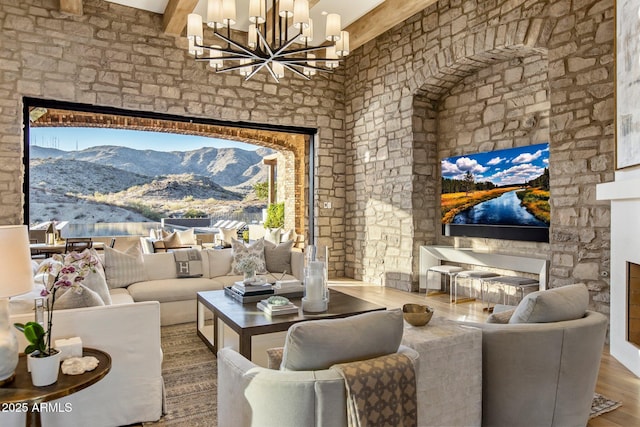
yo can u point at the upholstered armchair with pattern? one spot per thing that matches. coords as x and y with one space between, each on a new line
306 390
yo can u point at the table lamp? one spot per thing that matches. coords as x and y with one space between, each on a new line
16 278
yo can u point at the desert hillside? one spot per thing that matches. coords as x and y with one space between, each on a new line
120 184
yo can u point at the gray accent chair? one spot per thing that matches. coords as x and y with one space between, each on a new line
306 391
537 370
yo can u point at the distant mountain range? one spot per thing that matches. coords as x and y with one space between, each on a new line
232 168
129 184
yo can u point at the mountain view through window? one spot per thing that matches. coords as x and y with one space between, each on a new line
92 175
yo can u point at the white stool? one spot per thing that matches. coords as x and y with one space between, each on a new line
449 271
471 275
520 283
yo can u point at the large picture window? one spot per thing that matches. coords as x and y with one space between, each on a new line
118 172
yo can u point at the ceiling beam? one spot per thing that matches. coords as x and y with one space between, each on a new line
72 7
383 18
175 16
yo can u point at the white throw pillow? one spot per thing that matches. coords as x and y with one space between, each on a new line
289 235
273 235
187 237
159 266
96 280
227 235
219 261
123 268
76 297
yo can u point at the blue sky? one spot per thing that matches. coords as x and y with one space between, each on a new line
502 167
68 138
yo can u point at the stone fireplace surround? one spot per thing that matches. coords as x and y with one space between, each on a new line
624 194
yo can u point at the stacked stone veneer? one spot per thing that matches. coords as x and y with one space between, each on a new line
467 76
380 136
116 56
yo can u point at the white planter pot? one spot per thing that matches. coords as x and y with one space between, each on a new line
44 370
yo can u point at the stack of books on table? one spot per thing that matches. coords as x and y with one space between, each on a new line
249 293
276 310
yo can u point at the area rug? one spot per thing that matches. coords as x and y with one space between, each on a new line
602 405
190 373
189 370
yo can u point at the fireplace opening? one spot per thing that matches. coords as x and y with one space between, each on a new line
633 303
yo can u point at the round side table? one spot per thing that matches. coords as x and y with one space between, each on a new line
21 391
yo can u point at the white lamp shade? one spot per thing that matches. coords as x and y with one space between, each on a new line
257 14
15 261
307 32
301 14
285 8
278 69
252 36
245 71
215 53
229 12
331 54
333 27
342 45
214 14
194 27
193 50
311 63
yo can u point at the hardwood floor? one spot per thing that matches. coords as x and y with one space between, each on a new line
614 380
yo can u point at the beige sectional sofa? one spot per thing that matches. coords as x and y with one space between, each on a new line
177 296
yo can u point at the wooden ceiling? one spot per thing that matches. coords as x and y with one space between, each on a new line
368 27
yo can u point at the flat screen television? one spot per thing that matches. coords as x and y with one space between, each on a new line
501 194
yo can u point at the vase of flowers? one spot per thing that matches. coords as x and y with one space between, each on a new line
61 273
248 266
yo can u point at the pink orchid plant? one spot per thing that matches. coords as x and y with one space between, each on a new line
60 272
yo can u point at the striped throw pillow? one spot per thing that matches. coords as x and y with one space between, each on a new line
123 268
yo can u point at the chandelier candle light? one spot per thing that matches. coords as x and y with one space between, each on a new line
278 39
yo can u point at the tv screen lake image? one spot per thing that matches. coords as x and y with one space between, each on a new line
502 187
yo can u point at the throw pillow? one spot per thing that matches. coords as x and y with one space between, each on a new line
188 262
227 235
278 257
501 316
553 305
272 235
219 261
319 344
159 266
172 241
240 252
289 235
123 268
76 297
187 237
95 279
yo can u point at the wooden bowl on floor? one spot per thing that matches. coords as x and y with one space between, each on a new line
417 314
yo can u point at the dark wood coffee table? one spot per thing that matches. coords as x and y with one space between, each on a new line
247 320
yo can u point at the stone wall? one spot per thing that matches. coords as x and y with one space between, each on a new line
116 56
397 88
377 118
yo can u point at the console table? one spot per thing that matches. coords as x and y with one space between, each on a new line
449 381
431 256
21 395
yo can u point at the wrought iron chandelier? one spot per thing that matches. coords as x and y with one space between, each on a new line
269 44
